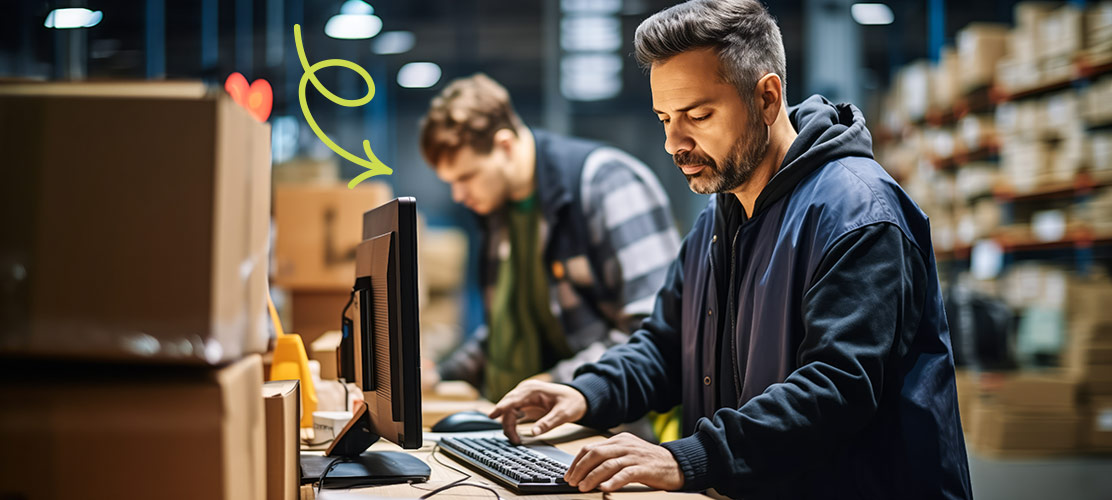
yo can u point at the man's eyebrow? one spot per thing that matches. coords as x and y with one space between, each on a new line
688 107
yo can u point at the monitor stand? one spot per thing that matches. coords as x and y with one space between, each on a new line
347 464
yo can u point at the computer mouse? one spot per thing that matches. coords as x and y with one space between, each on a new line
465 421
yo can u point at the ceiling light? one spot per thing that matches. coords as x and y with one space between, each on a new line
871 13
419 75
356 7
394 42
72 18
353 26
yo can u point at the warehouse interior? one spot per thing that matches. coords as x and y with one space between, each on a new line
994 116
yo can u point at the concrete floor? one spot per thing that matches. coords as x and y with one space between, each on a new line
1072 478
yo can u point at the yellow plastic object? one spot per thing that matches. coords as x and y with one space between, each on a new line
291 363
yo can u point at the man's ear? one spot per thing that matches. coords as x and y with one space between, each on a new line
769 96
505 140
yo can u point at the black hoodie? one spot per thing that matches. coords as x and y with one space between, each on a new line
829 373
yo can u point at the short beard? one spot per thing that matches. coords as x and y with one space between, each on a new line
739 165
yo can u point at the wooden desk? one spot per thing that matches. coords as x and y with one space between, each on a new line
567 437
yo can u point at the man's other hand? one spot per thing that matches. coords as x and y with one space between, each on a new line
550 404
621 460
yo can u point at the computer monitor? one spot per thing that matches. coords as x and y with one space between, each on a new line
379 350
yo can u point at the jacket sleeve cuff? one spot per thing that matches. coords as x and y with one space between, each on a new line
691 453
596 390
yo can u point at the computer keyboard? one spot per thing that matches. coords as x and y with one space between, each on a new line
523 469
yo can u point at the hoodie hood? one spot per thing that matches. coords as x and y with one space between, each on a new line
826 132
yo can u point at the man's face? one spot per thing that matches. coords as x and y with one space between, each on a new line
714 137
478 181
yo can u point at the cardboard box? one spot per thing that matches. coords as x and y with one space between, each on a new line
1060 32
110 432
139 219
968 396
1034 392
1097 433
324 350
1001 431
318 228
980 47
318 311
443 259
282 401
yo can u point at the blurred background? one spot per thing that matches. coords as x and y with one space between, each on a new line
996 116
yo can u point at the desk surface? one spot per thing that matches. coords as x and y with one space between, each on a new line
568 437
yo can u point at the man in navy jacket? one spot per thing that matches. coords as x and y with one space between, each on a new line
801 326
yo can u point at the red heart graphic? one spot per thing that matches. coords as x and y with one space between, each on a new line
258 98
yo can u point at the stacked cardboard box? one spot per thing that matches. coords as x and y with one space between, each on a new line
318 228
1098 33
444 261
140 223
1023 68
980 46
945 82
141 227
1027 415
1060 41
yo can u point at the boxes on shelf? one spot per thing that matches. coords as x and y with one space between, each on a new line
914 88
980 46
1000 431
443 259
140 219
324 350
1097 431
1060 33
977 132
316 311
1098 32
318 228
945 82
1024 162
303 171
136 432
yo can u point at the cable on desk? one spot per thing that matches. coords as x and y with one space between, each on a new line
460 484
331 465
466 476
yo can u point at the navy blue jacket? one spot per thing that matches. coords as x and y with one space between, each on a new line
807 342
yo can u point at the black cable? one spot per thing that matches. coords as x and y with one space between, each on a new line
457 485
435 448
320 482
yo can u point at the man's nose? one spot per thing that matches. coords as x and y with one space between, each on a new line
677 140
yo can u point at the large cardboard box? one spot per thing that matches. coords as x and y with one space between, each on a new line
318 228
282 401
980 47
324 350
1097 433
999 431
138 222
1034 392
318 311
111 432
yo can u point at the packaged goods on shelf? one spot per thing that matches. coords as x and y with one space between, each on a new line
1060 33
977 132
980 46
945 82
914 84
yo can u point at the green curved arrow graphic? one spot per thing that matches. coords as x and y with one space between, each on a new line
373 165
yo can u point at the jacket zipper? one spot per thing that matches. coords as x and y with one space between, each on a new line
731 309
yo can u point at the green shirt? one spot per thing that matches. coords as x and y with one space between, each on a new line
525 338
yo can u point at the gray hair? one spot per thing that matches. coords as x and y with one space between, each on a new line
744 35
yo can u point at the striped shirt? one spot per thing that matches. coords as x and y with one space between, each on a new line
609 238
